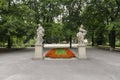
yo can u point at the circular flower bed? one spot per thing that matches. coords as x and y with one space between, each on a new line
60 53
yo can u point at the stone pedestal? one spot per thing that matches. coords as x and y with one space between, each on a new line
82 52
38 52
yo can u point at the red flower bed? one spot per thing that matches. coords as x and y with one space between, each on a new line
52 54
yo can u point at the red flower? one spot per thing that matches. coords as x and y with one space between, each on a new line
52 54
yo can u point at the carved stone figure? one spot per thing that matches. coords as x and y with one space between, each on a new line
40 34
80 35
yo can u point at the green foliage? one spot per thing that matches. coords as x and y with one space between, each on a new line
53 32
3 4
101 16
19 19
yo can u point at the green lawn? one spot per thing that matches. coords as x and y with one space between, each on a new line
60 51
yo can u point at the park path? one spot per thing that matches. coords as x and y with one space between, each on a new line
100 65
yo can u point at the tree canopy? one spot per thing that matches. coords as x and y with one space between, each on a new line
60 18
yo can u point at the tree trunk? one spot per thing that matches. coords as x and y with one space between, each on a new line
9 42
70 39
112 38
92 38
9 3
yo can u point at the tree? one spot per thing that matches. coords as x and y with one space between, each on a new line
71 17
15 20
97 15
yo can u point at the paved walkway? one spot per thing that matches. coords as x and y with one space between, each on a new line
100 65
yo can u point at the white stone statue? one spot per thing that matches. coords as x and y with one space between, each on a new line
80 35
40 34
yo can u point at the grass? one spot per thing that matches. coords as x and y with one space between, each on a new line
60 51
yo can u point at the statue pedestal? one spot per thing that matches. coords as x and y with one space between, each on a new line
82 52
38 52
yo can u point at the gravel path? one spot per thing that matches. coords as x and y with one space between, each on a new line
100 65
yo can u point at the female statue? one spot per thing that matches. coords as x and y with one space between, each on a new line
40 34
80 35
